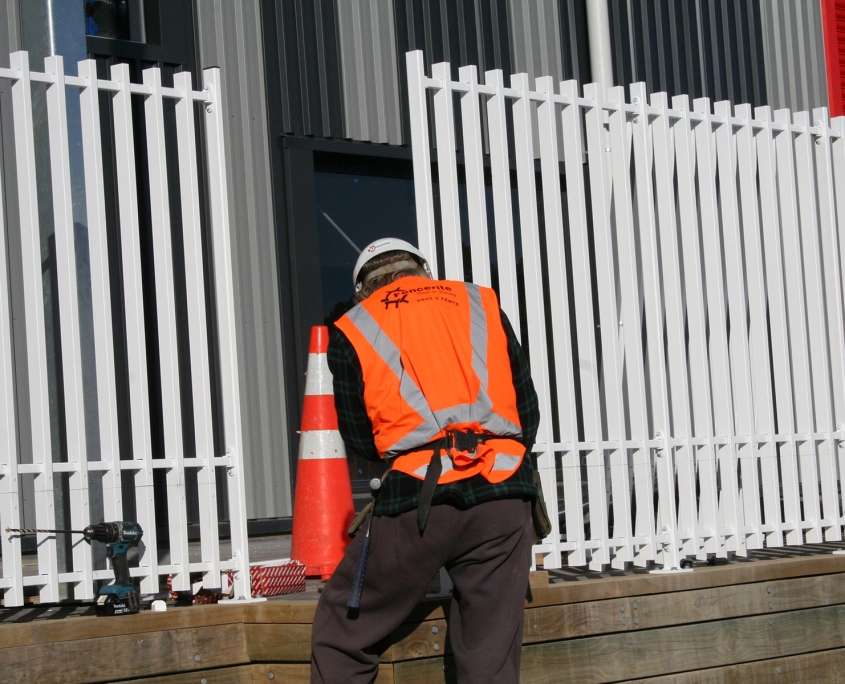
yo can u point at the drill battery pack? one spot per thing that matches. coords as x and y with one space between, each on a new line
116 600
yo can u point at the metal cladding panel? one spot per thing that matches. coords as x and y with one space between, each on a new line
700 48
549 38
461 32
535 36
369 71
301 44
794 54
229 36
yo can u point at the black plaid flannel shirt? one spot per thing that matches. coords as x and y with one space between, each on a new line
400 492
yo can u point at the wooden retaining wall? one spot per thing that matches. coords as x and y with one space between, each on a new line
767 621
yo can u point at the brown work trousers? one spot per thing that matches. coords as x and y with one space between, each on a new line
487 552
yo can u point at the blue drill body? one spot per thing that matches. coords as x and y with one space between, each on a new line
121 597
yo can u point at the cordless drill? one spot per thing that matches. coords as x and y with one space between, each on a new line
118 598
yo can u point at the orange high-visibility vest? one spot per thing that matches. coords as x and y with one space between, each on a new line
434 357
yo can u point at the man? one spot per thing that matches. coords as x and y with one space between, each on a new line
429 376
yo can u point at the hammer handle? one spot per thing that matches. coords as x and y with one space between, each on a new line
358 582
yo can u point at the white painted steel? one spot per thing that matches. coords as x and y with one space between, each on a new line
704 455
423 189
189 183
830 239
31 259
666 514
673 305
101 303
74 401
447 173
758 339
171 404
816 326
628 329
140 462
706 280
474 169
724 404
534 299
227 330
746 405
11 582
133 300
557 276
500 171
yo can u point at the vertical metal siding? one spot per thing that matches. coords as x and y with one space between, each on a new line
793 52
535 36
461 32
302 36
702 48
229 36
369 70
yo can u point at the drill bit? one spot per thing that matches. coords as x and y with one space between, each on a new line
27 531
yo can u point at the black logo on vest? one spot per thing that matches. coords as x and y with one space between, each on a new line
395 297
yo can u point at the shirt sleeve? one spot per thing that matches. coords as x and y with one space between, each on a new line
352 419
527 404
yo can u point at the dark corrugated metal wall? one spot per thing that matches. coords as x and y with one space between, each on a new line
703 48
304 65
300 36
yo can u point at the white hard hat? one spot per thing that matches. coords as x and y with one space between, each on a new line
380 247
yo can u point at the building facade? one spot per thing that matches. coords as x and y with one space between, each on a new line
318 137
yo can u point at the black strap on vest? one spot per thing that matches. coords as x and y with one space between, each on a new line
453 439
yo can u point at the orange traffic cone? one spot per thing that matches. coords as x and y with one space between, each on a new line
322 509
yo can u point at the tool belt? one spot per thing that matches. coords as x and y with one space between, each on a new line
453 439
463 441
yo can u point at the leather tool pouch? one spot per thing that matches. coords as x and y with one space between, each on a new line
539 514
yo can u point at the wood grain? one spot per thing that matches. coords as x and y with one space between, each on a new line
552 623
700 578
89 627
240 674
107 659
278 643
826 667
659 652
280 610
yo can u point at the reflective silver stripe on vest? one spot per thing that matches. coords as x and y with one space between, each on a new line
409 390
505 462
445 461
478 333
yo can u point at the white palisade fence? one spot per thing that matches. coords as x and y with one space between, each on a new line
56 576
681 283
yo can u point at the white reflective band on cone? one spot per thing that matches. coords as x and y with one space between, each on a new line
318 377
321 444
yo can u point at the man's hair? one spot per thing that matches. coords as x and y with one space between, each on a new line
383 262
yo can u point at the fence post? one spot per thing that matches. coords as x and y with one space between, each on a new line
11 582
197 328
95 205
39 402
420 143
136 352
227 329
74 401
